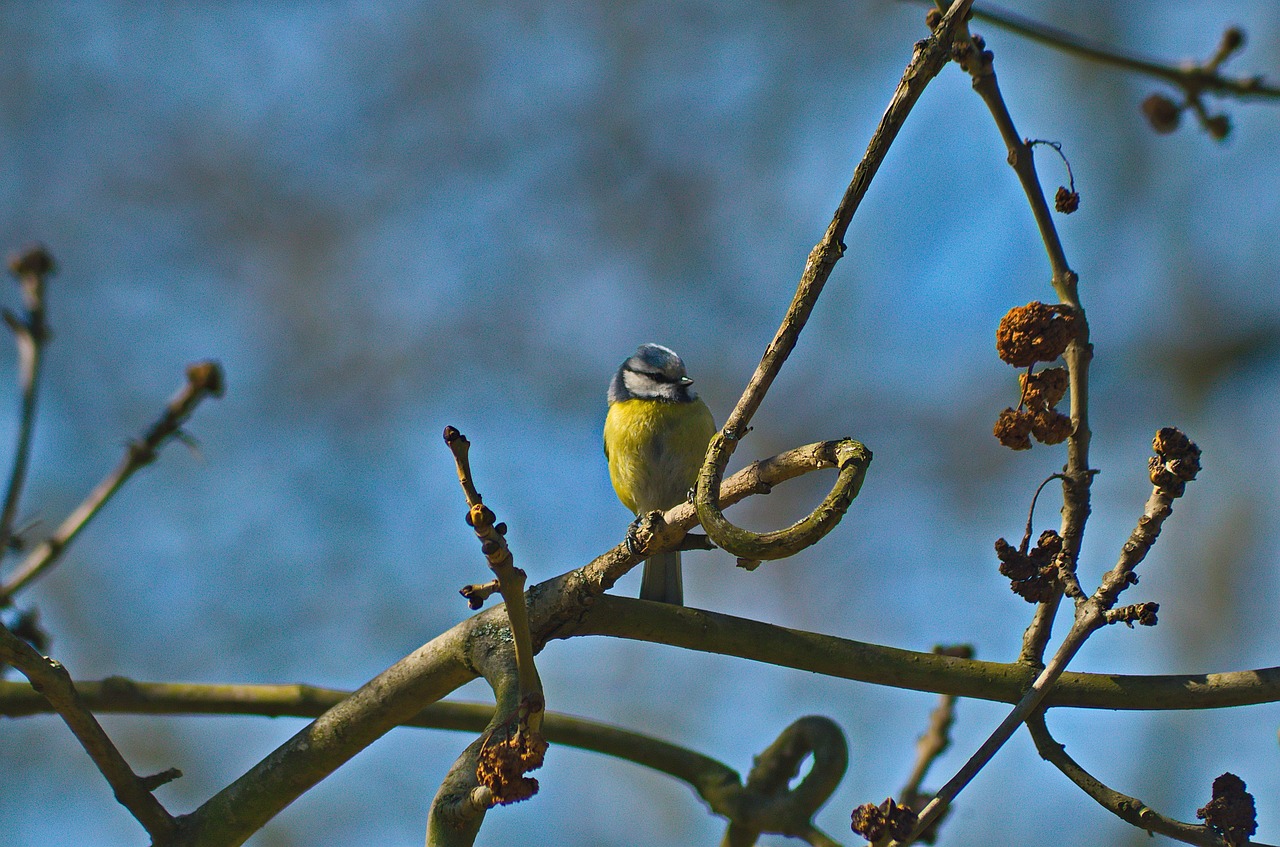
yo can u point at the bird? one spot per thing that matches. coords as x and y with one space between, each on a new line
655 438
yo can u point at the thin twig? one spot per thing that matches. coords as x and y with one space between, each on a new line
930 57
204 379
1175 463
30 331
1189 77
1077 477
492 770
511 580
52 681
1129 809
937 736
1088 620
1031 511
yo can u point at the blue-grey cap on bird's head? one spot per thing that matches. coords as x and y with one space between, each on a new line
653 373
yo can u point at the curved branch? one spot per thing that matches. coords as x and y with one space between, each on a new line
851 457
460 804
670 532
767 805
1131 810
438 667
930 57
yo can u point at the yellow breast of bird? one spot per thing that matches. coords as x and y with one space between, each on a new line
655 450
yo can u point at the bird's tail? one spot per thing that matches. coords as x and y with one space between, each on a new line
661 580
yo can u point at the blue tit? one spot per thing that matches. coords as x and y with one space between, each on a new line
655 438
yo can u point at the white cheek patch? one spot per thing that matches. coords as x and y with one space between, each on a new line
637 384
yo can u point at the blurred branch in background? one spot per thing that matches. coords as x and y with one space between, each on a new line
30 330
204 379
1193 79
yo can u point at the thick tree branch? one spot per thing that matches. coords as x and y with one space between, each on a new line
448 661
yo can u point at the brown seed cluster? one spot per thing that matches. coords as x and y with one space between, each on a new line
1066 201
1036 414
874 823
511 751
1231 812
1175 463
1032 576
1036 332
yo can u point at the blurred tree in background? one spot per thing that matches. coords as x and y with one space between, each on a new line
382 220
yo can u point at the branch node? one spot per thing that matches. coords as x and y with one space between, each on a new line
477 593
155 780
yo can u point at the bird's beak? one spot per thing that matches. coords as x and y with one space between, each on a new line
684 380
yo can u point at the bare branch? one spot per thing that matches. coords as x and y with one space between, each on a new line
1176 462
511 580
1088 620
31 332
1077 477
930 57
204 379
1190 77
766 804
492 770
438 667
52 681
1129 809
